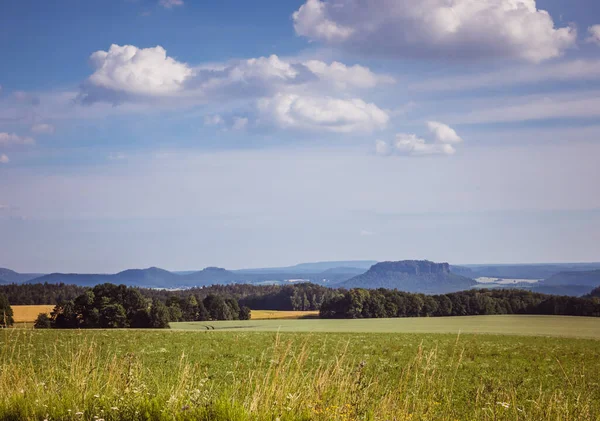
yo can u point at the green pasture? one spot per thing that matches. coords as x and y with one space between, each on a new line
244 375
561 326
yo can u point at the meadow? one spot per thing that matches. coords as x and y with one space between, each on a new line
562 326
250 375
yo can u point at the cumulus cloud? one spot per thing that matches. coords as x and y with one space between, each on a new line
10 139
443 133
442 141
434 28
128 71
294 111
594 34
42 128
4 159
169 4
346 76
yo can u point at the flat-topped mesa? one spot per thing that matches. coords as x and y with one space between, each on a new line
413 267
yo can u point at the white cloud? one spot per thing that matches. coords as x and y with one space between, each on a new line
168 4
239 123
346 76
42 128
293 111
443 133
594 34
411 144
128 73
4 159
382 148
213 120
9 139
436 28
442 137
366 233
127 70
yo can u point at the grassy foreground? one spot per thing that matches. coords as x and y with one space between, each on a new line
564 326
175 375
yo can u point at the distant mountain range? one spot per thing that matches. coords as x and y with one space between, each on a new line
408 275
8 276
420 276
323 273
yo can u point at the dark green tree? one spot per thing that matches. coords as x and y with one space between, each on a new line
6 312
159 315
245 313
113 316
43 321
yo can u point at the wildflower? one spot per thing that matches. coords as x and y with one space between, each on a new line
96 396
114 408
78 413
503 404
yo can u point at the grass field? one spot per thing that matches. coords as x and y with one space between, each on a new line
580 327
245 375
29 313
271 314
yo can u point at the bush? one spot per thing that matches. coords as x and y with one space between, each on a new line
43 321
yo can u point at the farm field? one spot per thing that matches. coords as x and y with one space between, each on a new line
273 314
562 326
243 375
23 314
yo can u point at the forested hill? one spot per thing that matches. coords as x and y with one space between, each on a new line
420 276
589 278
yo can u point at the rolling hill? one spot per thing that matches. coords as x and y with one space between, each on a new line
8 276
589 278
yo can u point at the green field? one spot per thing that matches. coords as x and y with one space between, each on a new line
576 327
245 375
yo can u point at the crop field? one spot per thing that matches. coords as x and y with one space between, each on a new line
272 314
29 313
564 326
243 375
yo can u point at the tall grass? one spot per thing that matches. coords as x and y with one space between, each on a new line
76 379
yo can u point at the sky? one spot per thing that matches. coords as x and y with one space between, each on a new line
192 133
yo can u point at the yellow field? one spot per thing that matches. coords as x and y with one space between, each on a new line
29 313
272 314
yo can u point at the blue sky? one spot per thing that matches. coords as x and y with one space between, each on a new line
183 133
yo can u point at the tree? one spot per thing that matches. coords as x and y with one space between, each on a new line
217 308
159 315
65 316
202 314
43 321
113 316
245 313
6 312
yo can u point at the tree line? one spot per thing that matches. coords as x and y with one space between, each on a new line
301 296
118 306
380 303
